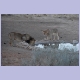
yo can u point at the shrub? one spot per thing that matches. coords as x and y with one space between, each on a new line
55 57
52 57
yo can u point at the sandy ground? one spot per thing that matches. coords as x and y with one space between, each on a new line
11 56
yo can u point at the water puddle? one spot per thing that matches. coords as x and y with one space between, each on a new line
62 46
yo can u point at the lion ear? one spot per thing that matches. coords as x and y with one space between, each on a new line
42 30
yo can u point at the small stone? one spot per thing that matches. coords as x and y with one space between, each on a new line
4 43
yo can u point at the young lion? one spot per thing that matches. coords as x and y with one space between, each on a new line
51 34
20 37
